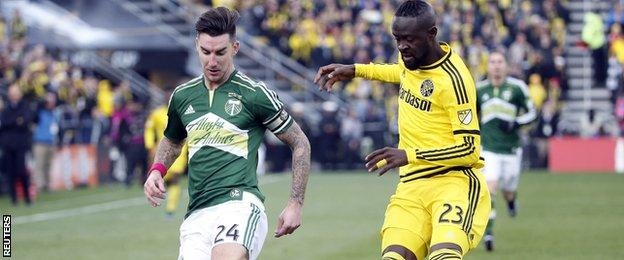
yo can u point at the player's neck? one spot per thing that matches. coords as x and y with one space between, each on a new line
497 81
435 55
214 85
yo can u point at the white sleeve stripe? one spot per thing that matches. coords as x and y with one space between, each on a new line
275 98
523 86
529 116
275 105
260 86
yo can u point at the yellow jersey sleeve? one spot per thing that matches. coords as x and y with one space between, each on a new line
459 103
149 136
390 73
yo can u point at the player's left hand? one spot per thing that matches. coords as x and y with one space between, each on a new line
385 159
290 219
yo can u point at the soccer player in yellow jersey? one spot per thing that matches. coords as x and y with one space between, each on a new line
441 204
154 130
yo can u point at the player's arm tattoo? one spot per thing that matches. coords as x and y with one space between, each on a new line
300 146
168 151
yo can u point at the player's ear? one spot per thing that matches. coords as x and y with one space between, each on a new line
432 32
236 46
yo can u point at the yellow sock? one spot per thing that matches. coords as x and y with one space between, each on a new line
173 197
444 253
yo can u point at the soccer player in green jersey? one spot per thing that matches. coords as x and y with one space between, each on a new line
223 115
501 100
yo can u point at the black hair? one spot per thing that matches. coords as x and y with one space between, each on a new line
218 21
413 8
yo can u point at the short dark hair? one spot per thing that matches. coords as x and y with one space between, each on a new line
217 21
413 8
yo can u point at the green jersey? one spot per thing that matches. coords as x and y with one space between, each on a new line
223 129
500 106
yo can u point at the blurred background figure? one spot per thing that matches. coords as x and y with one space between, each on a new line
329 136
45 140
154 132
127 129
15 140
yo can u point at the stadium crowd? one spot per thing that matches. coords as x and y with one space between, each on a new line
49 103
72 105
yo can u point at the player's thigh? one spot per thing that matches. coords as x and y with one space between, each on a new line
407 226
229 251
511 172
242 223
460 210
195 242
492 168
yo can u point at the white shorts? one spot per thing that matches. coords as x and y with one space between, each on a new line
242 222
502 168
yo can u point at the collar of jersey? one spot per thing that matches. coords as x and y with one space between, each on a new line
445 47
223 84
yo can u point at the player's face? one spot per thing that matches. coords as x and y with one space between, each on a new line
497 66
216 55
413 41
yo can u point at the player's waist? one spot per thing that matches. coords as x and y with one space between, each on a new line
428 172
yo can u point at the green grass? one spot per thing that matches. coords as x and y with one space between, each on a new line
560 217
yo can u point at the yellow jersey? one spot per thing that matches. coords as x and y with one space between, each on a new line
438 125
155 127
155 131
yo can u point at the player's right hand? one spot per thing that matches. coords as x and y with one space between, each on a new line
154 188
332 73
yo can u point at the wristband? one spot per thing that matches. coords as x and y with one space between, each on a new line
159 167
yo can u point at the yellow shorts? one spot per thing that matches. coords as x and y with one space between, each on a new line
178 166
448 208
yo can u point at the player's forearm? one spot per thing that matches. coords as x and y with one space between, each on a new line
382 72
168 151
300 146
465 153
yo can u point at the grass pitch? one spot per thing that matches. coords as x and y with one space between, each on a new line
560 217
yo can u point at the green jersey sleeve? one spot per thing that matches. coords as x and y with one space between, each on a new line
175 128
269 110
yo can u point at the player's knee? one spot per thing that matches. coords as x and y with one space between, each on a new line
397 252
445 251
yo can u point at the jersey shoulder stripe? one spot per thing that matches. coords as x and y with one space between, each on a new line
483 83
458 84
270 94
520 84
191 83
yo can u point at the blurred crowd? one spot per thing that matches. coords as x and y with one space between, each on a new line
316 33
50 103
47 103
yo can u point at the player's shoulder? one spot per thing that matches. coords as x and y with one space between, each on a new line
183 88
483 84
519 84
249 87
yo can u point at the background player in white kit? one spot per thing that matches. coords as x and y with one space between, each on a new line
504 105
222 116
